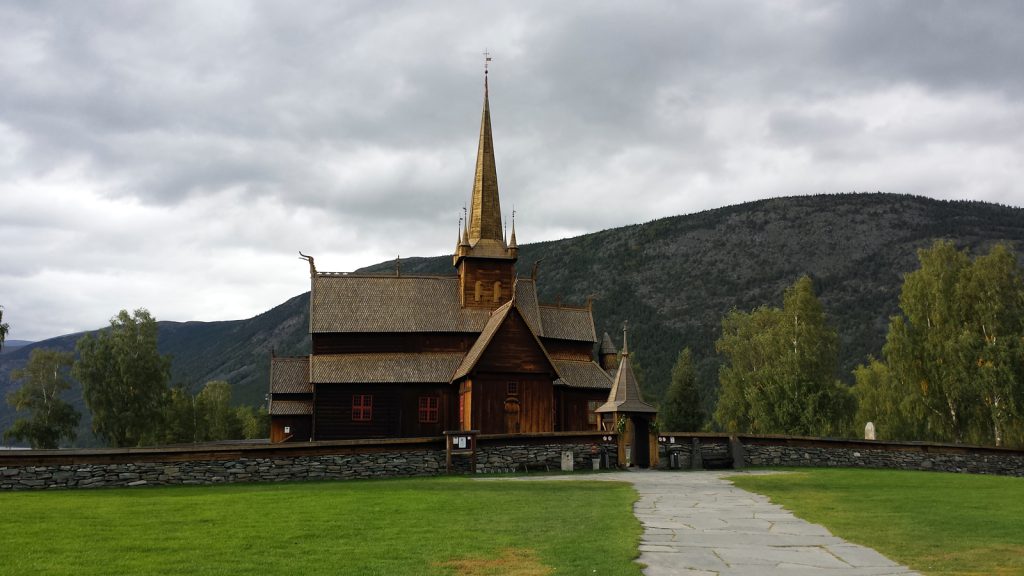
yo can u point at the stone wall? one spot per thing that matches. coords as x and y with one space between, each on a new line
355 459
27 470
747 450
975 462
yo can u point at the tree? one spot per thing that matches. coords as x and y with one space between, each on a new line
50 418
124 379
681 410
180 416
217 420
779 369
958 346
3 328
255 422
887 403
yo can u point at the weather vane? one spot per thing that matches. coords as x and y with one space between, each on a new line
487 59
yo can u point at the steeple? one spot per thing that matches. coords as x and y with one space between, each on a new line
484 259
485 235
625 394
485 211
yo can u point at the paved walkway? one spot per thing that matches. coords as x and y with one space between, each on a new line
696 523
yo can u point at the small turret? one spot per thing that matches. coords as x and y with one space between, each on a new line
608 355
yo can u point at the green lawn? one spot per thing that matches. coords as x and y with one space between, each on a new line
936 523
408 526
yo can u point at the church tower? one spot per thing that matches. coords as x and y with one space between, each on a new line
485 261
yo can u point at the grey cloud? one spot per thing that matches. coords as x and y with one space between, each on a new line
234 133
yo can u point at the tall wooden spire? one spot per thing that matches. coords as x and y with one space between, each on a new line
484 259
485 211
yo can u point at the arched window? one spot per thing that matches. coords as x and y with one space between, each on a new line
479 290
497 291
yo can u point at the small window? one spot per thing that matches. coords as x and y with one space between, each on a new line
513 389
362 407
428 409
591 415
497 291
478 291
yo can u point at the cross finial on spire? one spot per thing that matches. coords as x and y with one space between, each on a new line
487 60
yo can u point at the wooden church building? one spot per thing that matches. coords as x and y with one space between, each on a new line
406 356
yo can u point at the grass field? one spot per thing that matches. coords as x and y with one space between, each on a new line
935 523
409 526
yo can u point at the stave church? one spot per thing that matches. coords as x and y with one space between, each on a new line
412 356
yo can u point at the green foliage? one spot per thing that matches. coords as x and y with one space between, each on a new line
255 422
958 346
50 417
124 379
217 420
682 410
3 328
887 403
936 523
779 371
208 416
382 527
180 418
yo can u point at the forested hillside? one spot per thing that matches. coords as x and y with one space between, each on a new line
672 278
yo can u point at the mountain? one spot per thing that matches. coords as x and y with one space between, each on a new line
12 345
673 279
237 351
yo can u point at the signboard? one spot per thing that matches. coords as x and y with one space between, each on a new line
461 443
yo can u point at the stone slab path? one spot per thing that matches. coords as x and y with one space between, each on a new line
697 524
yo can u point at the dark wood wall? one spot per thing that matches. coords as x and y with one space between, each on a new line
395 411
513 350
487 272
495 411
300 429
569 349
573 408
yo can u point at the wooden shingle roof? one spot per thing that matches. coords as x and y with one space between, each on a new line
607 346
375 304
291 407
487 334
625 394
349 303
290 375
568 323
575 374
391 367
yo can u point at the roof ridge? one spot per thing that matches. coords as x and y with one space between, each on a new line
391 276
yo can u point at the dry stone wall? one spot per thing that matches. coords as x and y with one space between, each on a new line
39 470
974 462
746 450
379 461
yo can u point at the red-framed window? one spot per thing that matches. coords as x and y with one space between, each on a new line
362 407
428 409
591 415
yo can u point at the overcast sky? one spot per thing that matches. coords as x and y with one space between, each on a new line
177 155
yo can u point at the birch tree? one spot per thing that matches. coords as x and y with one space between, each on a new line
124 379
49 418
779 371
